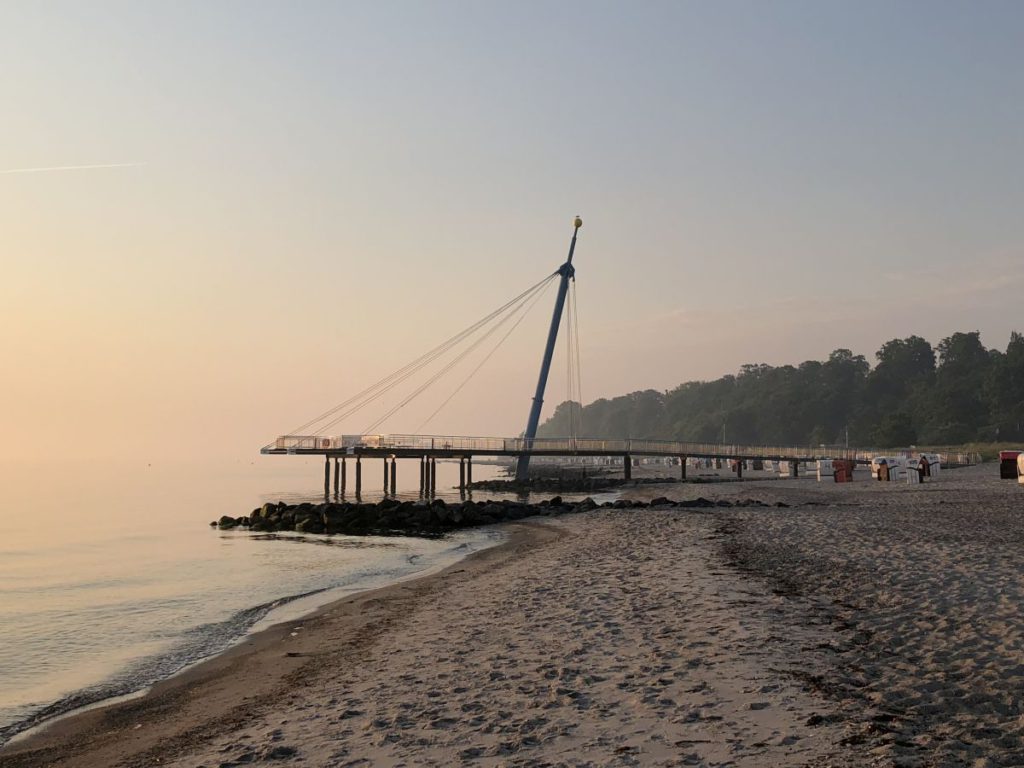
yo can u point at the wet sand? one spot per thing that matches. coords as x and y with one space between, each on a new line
862 625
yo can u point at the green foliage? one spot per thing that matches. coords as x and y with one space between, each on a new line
894 431
963 393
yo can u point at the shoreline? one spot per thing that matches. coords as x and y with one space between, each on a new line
811 624
285 609
111 731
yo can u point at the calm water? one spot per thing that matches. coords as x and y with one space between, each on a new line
110 577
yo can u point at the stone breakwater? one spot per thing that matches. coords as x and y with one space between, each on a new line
431 518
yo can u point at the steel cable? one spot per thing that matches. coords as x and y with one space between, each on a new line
371 392
356 407
481 364
419 390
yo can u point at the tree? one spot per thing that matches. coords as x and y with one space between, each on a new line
1004 391
956 404
972 392
895 430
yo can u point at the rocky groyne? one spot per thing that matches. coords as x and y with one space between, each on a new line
429 518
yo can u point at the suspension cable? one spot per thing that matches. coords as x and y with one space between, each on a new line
419 390
391 385
569 375
576 352
371 392
483 362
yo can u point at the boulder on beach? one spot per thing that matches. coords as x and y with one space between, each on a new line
586 505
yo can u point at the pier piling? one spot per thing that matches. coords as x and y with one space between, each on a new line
682 467
359 476
327 475
344 476
336 478
394 476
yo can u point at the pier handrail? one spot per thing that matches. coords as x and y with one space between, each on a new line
465 444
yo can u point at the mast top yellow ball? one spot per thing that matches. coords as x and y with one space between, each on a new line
578 222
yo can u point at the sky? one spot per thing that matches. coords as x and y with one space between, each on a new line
286 202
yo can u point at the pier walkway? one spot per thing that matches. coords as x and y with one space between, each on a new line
427 449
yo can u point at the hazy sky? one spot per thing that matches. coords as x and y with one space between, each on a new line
308 195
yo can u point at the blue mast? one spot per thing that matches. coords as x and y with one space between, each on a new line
568 272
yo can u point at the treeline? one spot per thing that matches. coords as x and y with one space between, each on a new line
956 392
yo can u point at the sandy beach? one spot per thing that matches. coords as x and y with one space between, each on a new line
860 625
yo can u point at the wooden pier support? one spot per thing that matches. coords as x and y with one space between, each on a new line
327 475
682 467
394 476
739 468
359 476
433 474
469 471
423 475
627 467
386 482
794 467
344 475
336 478
462 473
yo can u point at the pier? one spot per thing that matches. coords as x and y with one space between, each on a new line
426 450
312 438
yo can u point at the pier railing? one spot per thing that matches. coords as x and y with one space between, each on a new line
550 445
569 446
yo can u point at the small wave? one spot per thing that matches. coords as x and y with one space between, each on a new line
197 644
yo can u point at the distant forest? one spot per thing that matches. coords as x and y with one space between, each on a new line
955 393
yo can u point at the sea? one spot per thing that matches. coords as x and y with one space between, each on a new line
112 579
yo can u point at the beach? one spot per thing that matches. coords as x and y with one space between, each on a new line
860 624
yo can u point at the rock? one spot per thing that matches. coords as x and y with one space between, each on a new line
265 511
226 522
586 505
700 501
661 501
310 525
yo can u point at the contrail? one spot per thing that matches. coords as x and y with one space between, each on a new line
71 168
